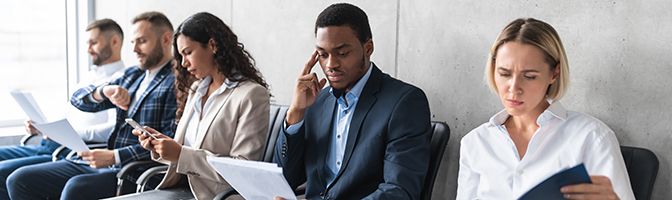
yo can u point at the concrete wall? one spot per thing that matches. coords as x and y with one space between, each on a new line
619 54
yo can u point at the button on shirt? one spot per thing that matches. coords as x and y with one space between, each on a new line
194 124
490 166
345 108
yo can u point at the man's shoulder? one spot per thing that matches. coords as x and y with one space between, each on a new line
397 88
132 70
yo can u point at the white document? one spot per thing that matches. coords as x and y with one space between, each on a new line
29 106
253 179
62 132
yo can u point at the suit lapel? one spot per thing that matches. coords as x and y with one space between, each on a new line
366 101
204 125
327 110
155 82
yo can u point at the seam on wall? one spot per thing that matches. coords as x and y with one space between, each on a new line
396 43
231 13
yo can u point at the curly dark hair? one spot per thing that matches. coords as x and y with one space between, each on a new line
233 61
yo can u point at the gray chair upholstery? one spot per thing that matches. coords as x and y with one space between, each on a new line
642 166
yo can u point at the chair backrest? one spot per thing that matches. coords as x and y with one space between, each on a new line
440 137
277 117
642 166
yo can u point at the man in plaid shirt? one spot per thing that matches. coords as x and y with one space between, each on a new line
145 93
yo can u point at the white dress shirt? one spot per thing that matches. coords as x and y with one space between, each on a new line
96 127
490 167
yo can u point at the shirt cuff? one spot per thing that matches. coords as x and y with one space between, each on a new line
294 128
117 159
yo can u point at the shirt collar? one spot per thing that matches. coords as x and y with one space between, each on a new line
153 71
205 82
109 68
555 110
356 90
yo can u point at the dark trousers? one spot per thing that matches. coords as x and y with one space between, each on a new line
61 179
14 157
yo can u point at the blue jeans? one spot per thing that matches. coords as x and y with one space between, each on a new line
62 179
14 157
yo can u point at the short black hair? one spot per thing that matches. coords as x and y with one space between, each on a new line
157 19
106 26
345 14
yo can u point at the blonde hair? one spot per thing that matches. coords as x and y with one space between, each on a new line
543 36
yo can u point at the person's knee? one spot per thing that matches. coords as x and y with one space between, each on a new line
77 183
20 178
5 170
86 187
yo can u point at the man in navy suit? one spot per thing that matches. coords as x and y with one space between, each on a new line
145 93
366 136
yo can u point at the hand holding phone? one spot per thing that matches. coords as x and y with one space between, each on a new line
135 125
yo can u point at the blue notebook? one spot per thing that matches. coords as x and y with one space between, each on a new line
549 189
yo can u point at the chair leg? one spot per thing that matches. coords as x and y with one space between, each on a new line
120 186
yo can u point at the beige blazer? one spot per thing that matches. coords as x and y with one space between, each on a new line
236 126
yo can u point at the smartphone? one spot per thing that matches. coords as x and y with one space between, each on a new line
135 125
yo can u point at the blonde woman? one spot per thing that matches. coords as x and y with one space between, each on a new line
534 136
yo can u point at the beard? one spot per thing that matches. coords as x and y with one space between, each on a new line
154 56
103 55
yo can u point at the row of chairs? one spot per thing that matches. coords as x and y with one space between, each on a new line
642 165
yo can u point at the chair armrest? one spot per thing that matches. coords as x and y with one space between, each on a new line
57 152
25 138
225 194
125 174
149 173
133 166
96 145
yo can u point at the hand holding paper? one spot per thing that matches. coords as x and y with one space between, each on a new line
550 188
98 158
600 188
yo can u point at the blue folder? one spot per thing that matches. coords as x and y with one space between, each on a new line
549 189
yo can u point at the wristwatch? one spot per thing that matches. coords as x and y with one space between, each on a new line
100 91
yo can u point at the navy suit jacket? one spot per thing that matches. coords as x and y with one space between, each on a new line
155 108
387 149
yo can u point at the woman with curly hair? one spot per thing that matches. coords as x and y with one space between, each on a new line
223 106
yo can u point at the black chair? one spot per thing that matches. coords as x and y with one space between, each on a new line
440 137
642 166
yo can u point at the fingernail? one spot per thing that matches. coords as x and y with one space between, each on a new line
567 196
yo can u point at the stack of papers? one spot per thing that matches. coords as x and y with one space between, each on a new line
60 131
253 179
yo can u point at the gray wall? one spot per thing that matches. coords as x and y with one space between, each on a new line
619 54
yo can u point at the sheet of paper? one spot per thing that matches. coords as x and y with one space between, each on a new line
253 179
29 106
62 132
550 188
